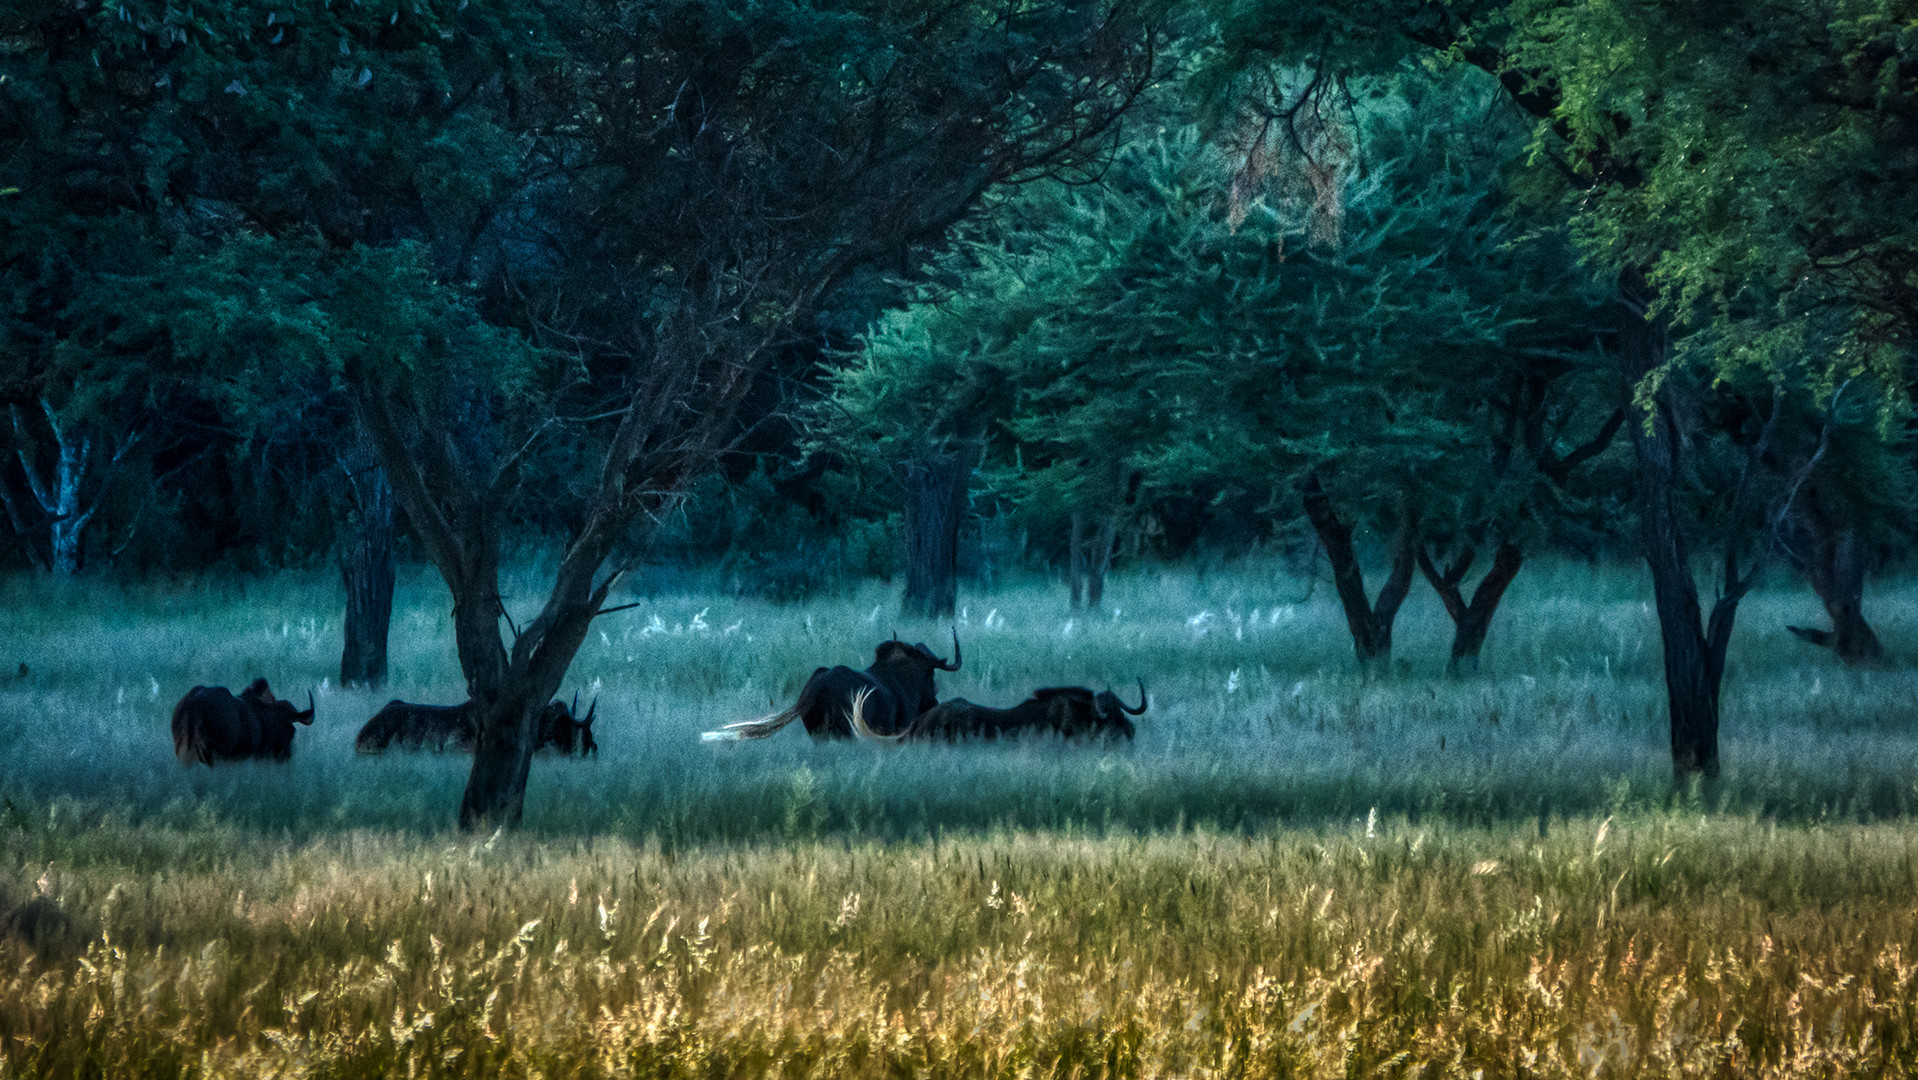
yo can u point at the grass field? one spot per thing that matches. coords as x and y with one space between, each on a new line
1292 872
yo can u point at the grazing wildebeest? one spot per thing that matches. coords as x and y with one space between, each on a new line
1071 712
897 687
211 724
437 727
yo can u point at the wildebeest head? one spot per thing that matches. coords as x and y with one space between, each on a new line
908 670
561 728
212 724
262 699
1076 712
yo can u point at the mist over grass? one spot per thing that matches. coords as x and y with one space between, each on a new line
1258 716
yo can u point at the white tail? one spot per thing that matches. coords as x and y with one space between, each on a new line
859 727
752 729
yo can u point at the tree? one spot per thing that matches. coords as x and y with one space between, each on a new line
1163 330
366 568
56 457
1622 95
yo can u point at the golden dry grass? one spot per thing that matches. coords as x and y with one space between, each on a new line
1664 945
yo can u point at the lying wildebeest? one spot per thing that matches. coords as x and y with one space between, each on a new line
210 724
1071 712
437 727
897 687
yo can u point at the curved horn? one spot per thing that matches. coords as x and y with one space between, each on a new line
954 666
1141 709
572 712
307 716
590 710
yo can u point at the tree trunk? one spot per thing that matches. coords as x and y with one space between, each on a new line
1100 562
1471 619
23 530
936 496
1076 560
502 760
1089 557
59 495
1831 556
69 523
1693 666
1370 622
366 570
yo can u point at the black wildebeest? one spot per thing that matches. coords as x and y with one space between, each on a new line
897 687
437 727
1071 712
211 724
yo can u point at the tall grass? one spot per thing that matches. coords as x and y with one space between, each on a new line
1292 871
1668 944
1258 716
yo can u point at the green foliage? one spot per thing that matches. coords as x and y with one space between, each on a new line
1160 331
1766 151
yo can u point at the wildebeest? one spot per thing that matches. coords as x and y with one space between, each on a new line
211 724
438 727
1071 712
897 687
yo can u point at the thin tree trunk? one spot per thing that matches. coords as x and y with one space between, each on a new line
69 524
1370 622
1076 561
1831 556
1100 562
936 495
1693 667
366 570
1852 638
24 531
1471 619
59 495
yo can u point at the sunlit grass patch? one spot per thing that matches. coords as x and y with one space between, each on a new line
1674 943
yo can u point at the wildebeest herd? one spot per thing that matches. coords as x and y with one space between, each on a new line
893 700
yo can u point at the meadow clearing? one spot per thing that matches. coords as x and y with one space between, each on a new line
1291 872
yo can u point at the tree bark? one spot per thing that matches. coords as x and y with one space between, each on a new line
502 761
936 496
1471 619
1100 562
22 530
1694 664
1831 556
366 571
1370 622
1088 560
1076 560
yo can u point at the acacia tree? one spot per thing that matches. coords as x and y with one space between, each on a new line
1672 124
723 171
1162 330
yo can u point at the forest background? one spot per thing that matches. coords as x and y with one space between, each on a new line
584 305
